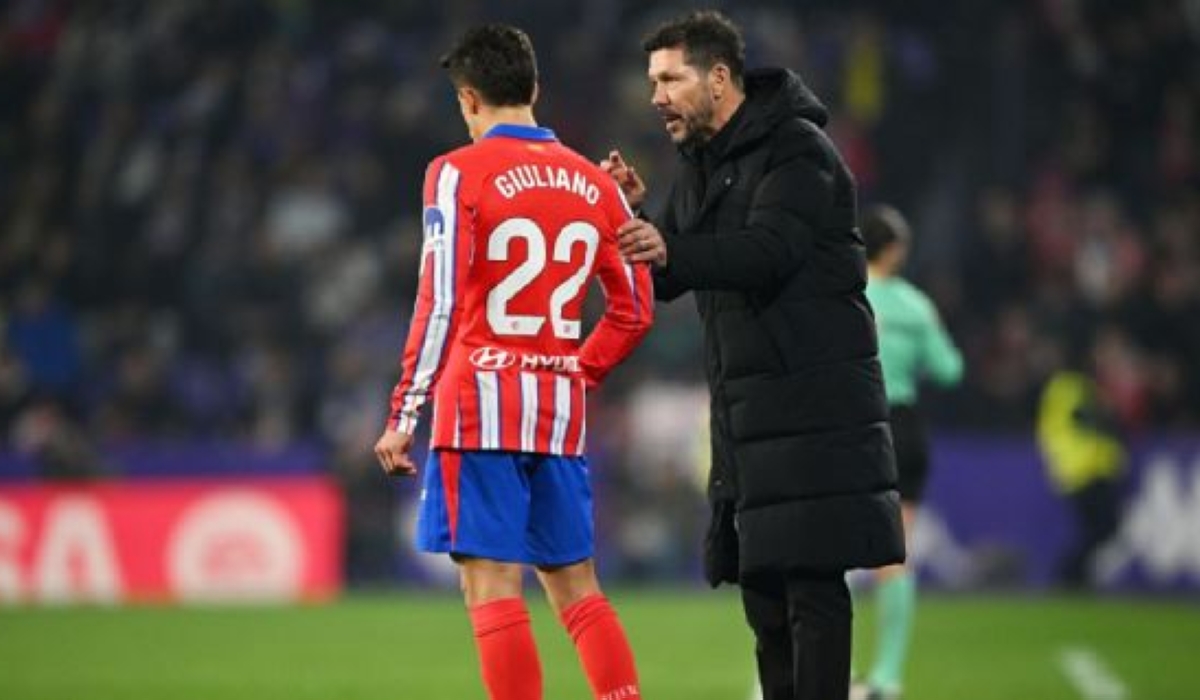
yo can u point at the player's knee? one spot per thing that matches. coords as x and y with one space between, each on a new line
484 580
567 585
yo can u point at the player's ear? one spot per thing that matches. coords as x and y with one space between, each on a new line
470 100
533 98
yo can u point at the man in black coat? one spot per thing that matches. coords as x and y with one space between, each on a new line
760 225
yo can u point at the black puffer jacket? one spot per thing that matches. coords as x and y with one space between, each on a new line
803 470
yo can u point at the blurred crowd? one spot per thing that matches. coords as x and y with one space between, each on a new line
209 208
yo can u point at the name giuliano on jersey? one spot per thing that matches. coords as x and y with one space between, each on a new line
516 226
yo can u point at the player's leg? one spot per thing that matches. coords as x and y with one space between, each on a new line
508 657
567 585
592 623
895 606
473 507
560 538
895 587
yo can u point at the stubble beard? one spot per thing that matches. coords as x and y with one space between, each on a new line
698 125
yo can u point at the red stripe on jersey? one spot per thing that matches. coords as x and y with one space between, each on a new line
545 414
451 469
574 441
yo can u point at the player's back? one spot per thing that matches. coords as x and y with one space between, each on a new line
541 213
520 225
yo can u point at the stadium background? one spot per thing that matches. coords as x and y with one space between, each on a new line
209 229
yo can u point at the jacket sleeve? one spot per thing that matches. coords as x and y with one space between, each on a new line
628 309
445 257
784 212
667 287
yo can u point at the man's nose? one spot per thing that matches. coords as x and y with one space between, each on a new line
658 98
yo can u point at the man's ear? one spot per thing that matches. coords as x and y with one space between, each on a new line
537 90
470 100
719 80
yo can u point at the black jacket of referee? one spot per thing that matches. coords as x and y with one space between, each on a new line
803 472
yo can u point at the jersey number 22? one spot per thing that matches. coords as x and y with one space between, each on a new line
504 323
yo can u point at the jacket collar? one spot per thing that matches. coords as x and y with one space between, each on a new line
772 95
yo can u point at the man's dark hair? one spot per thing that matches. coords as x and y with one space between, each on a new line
707 38
498 61
883 225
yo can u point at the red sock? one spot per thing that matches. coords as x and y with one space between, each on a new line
508 657
603 649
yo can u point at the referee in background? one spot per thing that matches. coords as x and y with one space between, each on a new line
913 345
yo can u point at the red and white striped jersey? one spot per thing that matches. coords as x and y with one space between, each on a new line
516 227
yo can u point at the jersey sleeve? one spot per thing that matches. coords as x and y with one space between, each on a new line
942 361
444 260
629 303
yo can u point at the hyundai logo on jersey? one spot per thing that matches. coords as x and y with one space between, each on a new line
488 357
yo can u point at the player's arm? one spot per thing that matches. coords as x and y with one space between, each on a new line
941 359
434 321
628 311
633 188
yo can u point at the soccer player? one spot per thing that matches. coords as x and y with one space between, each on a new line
912 345
516 226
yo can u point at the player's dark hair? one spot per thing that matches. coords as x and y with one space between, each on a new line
707 38
882 226
498 61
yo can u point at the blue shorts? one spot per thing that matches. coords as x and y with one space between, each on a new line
507 506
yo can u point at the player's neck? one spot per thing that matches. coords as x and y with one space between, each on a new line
492 116
886 264
879 272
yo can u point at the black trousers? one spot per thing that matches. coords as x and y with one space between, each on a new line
801 623
1098 517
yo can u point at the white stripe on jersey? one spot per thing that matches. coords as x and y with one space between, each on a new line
625 203
637 303
438 325
457 427
408 415
562 414
582 446
488 387
529 411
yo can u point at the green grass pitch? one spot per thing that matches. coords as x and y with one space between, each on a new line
690 644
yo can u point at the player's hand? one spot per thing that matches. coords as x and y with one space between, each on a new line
392 451
627 178
640 242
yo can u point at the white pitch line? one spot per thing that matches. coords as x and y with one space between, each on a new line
1089 675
